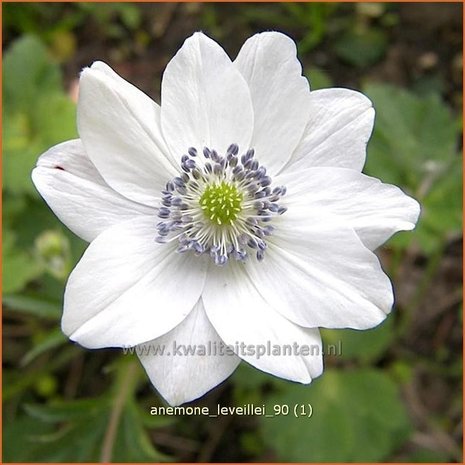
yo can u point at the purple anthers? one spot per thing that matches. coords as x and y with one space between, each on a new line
219 205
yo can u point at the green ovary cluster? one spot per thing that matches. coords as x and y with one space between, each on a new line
221 203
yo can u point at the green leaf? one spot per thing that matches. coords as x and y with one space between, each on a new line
53 339
34 304
59 411
361 47
19 163
26 135
132 442
314 18
412 136
36 113
28 73
357 417
319 79
31 217
18 439
130 15
248 384
364 346
19 267
76 438
414 145
84 422
81 427
442 205
18 381
54 117
52 248
249 377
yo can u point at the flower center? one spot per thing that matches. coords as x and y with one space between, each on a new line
220 205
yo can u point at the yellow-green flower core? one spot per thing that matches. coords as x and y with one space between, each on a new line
221 203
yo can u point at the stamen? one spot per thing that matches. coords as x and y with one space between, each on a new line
219 205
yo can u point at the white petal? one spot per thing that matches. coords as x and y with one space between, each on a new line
280 96
127 289
181 373
78 195
319 274
340 124
375 210
244 319
120 129
205 100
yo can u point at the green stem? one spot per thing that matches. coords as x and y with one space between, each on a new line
428 276
398 256
126 385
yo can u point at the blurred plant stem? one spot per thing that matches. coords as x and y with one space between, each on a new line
26 379
399 255
126 384
432 266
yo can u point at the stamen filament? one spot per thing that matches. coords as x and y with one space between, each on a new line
219 205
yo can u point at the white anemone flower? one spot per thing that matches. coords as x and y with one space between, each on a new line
233 214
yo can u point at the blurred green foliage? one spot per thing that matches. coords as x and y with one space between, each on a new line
116 20
359 410
73 431
32 98
359 415
414 145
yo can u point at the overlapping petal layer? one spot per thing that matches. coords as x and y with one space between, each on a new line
127 289
182 362
120 129
244 317
318 269
205 100
375 210
337 132
78 195
318 273
280 96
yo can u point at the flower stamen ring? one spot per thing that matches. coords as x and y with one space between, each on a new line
219 205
